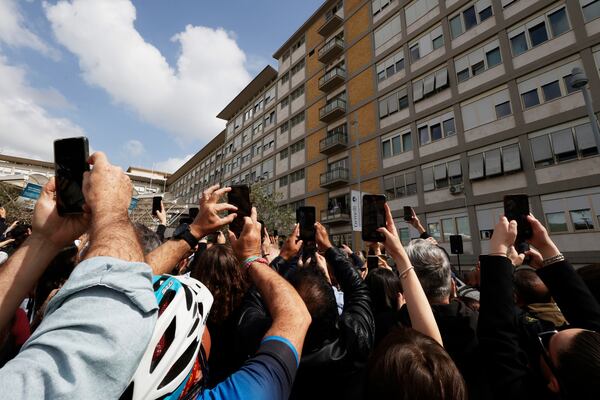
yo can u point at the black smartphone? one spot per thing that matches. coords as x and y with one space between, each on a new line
193 212
70 162
516 207
372 260
408 213
306 217
239 196
373 217
262 230
201 247
156 205
275 233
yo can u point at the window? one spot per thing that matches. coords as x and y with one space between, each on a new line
525 37
297 119
442 175
396 144
400 185
434 230
551 91
591 10
557 222
414 52
568 80
438 42
389 67
448 228
478 68
270 119
296 176
388 31
495 162
427 43
284 103
434 130
493 57
284 127
430 85
283 154
566 144
503 110
298 67
285 78
393 103
297 93
298 44
296 147
582 219
449 128
462 227
463 75
417 9
283 181
530 98
470 17
404 236
379 5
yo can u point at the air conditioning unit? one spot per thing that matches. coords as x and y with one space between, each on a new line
456 189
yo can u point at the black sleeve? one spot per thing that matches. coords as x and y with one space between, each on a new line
283 267
573 297
425 235
160 231
497 330
358 263
357 319
3 227
254 322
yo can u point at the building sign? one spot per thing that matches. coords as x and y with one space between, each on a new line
355 211
32 191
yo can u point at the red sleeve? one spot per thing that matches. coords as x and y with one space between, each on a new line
20 328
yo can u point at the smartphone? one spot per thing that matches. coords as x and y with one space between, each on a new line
372 260
193 212
201 247
239 196
408 213
156 205
516 207
70 162
306 217
262 230
275 233
373 217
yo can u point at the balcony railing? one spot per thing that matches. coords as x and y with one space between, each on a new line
335 216
332 22
335 177
332 110
334 141
332 79
332 49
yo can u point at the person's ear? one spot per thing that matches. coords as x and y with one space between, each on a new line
553 384
453 289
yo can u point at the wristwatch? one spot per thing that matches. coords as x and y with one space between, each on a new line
183 233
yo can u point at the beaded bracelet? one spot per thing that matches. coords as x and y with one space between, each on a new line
248 261
553 259
404 273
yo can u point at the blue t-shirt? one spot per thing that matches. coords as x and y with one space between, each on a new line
268 375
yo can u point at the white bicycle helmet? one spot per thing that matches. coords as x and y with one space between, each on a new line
170 367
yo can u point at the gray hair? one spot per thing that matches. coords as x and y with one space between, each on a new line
432 267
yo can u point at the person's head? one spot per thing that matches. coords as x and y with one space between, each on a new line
384 286
591 276
410 365
433 269
529 288
149 240
219 269
312 286
20 233
575 358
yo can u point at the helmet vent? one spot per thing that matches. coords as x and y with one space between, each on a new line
180 364
163 344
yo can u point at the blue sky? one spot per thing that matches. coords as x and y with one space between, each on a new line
143 79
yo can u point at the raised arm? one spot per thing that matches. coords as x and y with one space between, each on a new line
50 233
419 309
161 215
164 258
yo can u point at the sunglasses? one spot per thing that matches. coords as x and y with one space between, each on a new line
544 343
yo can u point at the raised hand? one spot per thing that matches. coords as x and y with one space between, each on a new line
504 236
393 245
292 245
161 214
208 220
541 240
248 244
322 238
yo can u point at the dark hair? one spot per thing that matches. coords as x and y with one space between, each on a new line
317 294
20 233
384 286
469 302
219 269
529 287
149 240
410 365
579 366
591 276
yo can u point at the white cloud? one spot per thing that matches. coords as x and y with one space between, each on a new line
182 100
27 129
13 30
134 148
172 164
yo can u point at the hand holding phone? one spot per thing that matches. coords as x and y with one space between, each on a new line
239 196
70 162
156 205
373 217
516 207
306 218
408 213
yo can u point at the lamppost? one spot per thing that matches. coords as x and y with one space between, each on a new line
579 80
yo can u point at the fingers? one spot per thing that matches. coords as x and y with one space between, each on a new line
221 191
224 207
389 220
49 188
228 219
232 237
296 230
254 215
98 159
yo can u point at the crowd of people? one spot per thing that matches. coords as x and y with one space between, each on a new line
94 306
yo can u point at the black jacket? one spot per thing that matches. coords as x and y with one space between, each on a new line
505 361
336 368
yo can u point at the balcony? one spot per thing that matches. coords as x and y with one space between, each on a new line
336 216
333 110
332 22
332 79
335 177
331 50
334 142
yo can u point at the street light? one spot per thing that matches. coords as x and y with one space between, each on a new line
579 81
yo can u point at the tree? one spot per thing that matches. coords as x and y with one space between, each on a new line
274 215
16 210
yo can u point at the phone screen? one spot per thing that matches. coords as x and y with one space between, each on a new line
262 230
516 207
372 260
156 204
239 196
70 162
193 212
373 217
306 217
408 213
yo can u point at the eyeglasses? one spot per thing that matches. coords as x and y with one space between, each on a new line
544 342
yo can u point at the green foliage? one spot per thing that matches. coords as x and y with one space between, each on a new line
15 210
274 215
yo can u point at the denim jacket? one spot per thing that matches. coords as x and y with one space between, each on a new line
92 338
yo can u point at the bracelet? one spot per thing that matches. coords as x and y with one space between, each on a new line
553 259
248 261
404 273
498 254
